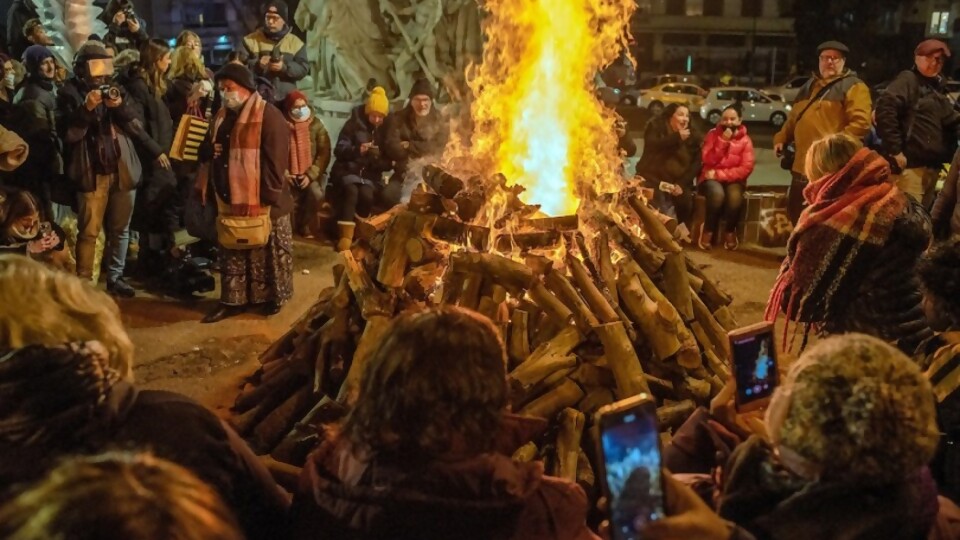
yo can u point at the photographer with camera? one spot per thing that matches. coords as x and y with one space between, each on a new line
276 54
98 129
125 30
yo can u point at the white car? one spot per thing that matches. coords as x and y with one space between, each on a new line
654 99
757 106
787 92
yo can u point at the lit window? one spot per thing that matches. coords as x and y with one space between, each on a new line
939 22
694 8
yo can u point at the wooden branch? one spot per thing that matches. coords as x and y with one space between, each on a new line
425 202
369 227
566 394
556 310
527 240
470 297
452 286
622 360
559 285
647 256
560 223
371 300
714 296
676 285
421 251
270 431
653 321
373 334
673 415
653 226
557 347
461 234
444 183
725 317
393 260
595 299
526 453
716 333
585 476
518 345
488 308
303 436
597 397
422 280
508 273
605 265
568 442
588 375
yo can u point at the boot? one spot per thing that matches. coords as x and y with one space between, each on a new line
706 240
730 241
346 229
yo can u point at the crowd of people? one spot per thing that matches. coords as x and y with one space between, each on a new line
98 141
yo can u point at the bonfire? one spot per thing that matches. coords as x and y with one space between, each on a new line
528 220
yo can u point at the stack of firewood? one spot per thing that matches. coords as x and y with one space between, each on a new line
591 309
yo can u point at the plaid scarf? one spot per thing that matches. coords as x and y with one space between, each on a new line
243 160
301 151
850 217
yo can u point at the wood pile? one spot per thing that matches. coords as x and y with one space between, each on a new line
591 311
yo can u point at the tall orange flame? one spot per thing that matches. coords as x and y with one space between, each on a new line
536 117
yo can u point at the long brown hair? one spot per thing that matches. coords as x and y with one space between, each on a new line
152 52
436 384
183 63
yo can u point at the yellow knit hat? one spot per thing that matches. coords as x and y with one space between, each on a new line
377 102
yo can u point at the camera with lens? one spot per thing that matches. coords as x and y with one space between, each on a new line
130 15
109 92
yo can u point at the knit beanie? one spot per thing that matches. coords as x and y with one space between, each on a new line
92 50
856 409
292 98
238 74
280 7
34 56
422 88
377 102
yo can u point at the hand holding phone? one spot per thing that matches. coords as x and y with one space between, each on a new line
630 462
753 358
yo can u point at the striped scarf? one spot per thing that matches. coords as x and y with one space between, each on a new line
850 217
301 151
243 160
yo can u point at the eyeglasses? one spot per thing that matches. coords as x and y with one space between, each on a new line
938 59
832 59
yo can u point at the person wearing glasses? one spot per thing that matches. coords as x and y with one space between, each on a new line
917 123
275 53
835 100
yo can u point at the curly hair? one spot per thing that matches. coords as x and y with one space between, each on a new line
939 273
129 496
436 383
62 308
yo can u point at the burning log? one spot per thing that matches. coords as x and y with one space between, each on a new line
393 260
512 275
653 226
372 301
421 251
560 224
605 265
368 228
622 359
568 442
648 257
595 299
559 285
422 279
461 234
442 182
470 297
425 202
528 240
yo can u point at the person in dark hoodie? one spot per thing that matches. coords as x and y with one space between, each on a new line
275 52
416 132
356 177
155 213
917 123
20 12
423 453
66 382
37 97
125 30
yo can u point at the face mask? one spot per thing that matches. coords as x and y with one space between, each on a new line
231 100
9 80
300 113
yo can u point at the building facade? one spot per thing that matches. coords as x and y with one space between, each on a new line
752 38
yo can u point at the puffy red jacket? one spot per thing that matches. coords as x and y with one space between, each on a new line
732 160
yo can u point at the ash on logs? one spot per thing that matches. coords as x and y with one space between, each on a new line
587 318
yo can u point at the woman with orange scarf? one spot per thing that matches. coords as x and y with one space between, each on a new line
850 261
309 158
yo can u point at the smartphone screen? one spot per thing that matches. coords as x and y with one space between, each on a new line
630 443
755 367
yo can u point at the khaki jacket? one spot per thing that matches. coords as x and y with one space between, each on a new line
844 108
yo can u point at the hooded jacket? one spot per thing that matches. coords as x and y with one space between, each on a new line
915 117
349 161
845 107
733 160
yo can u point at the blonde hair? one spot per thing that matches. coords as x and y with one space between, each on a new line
184 63
134 496
43 306
829 154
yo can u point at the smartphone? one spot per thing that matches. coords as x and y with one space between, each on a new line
630 462
754 362
666 187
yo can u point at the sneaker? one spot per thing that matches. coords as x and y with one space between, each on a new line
706 241
121 289
730 241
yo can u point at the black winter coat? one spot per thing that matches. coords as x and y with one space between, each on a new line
156 196
45 162
427 137
668 158
917 105
349 161
20 12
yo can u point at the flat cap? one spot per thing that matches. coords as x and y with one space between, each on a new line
833 45
930 46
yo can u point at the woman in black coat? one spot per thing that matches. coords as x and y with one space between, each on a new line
156 214
671 155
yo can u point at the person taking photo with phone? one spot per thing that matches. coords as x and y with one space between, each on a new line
728 161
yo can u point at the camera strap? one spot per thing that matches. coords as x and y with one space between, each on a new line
819 95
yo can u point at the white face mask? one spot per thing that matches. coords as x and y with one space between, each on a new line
231 100
300 113
9 80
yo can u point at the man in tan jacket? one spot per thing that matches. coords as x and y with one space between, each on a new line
843 107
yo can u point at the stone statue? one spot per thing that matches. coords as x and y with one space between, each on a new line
392 41
69 23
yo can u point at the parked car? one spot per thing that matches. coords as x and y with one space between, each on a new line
787 92
757 106
657 97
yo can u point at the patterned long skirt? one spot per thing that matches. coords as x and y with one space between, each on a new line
257 276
